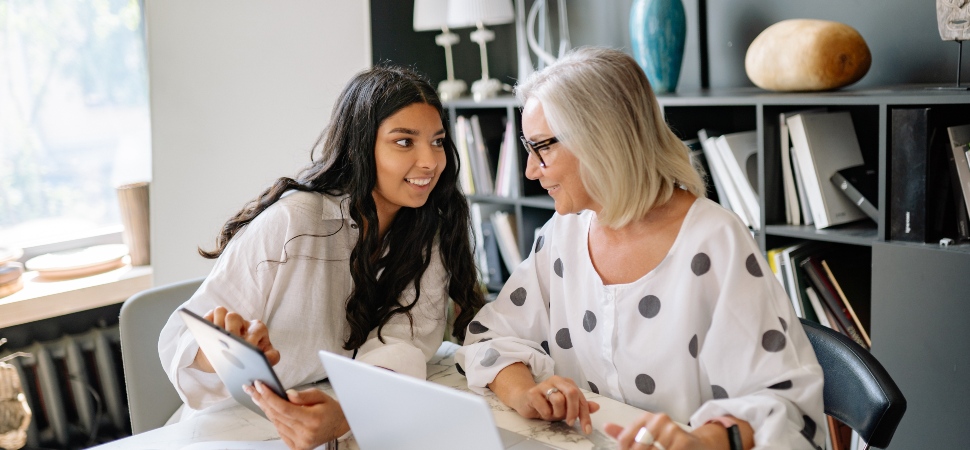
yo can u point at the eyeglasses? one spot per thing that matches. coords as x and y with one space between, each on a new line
534 147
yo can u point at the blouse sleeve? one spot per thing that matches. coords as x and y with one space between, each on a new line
759 362
513 327
407 347
239 283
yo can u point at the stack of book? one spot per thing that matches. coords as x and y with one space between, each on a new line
733 163
496 245
827 284
477 176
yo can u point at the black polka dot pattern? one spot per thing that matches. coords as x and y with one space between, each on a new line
649 306
518 296
589 321
545 346
700 264
718 392
752 265
460 370
593 388
784 325
557 267
491 355
773 341
692 347
781 386
563 339
539 242
645 383
809 429
476 327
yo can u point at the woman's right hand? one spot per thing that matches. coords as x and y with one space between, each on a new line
556 398
252 331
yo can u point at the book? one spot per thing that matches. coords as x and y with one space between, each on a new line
846 303
825 143
731 199
961 215
793 213
487 257
697 159
507 175
740 154
823 316
917 169
812 268
797 280
481 165
505 232
706 139
806 209
465 180
859 184
959 138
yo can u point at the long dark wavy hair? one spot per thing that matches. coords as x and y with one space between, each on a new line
346 166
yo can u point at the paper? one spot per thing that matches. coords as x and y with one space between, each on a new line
276 444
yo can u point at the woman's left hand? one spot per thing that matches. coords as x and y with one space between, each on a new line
666 434
309 419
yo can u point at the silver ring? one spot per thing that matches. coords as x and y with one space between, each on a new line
551 391
659 445
644 436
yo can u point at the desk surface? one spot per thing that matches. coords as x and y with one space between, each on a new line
236 423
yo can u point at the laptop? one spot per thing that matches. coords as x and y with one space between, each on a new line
390 410
235 361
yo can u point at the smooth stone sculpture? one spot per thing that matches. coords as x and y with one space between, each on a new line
807 55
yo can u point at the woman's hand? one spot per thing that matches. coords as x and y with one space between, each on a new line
309 419
665 434
556 398
252 331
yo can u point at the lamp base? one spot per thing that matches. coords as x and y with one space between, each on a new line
486 88
451 89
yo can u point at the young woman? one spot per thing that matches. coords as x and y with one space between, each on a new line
639 288
358 255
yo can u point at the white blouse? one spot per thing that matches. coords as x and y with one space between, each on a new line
302 301
708 332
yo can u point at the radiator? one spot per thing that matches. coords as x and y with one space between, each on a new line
75 388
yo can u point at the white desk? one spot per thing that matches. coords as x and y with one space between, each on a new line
236 423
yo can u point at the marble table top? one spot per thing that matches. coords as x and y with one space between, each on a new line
251 431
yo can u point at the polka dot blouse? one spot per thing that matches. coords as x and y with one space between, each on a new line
708 332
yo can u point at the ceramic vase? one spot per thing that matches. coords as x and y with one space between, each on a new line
658 29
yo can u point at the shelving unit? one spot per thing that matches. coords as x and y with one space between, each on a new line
918 316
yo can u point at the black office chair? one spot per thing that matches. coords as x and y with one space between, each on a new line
858 390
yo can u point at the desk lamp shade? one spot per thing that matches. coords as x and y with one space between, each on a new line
433 15
478 13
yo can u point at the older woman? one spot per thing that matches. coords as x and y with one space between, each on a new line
639 288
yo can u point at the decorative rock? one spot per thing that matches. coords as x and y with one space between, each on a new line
807 55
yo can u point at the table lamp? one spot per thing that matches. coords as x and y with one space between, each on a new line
433 15
478 13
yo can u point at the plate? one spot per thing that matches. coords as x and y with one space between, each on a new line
79 263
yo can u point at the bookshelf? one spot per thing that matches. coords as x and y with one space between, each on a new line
917 313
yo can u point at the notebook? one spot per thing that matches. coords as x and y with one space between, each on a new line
235 361
390 410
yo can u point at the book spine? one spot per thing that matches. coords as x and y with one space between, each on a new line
908 172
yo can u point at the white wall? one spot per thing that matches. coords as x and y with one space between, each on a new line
240 90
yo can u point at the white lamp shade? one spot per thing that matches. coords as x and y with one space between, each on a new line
467 13
430 14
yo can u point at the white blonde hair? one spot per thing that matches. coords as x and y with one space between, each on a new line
600 106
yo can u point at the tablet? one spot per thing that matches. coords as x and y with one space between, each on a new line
235 361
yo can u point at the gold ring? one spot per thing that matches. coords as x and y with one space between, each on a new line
644 436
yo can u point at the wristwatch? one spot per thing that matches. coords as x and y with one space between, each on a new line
734 437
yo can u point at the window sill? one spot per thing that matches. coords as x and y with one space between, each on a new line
42 299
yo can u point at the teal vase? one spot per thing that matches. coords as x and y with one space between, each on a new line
658 29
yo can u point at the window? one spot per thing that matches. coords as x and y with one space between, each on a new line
74 117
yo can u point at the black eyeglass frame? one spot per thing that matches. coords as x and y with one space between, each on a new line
534 147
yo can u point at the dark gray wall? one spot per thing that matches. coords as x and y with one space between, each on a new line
902 36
